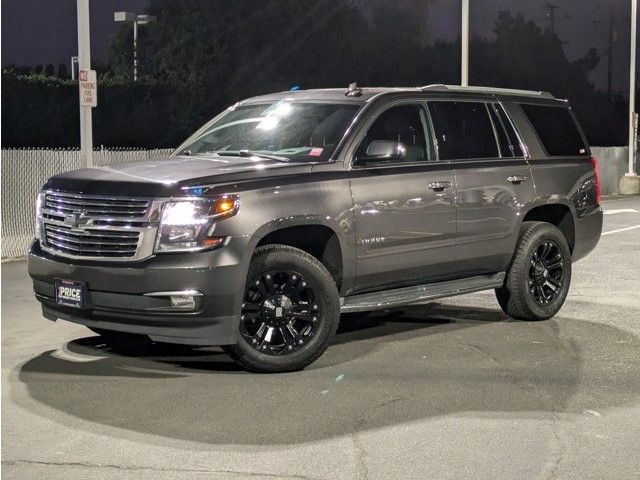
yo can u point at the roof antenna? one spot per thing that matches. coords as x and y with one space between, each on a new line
354 90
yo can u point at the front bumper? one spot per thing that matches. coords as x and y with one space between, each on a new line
117 300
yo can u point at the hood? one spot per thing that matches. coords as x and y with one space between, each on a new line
166 176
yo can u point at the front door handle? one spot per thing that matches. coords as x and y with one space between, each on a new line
438 186
517 179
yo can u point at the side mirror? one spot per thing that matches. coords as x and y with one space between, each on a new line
384 150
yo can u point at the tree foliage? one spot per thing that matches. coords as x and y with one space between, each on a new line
216 52
204 55
525 56
42 111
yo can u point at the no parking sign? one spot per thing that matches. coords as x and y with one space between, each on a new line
88 88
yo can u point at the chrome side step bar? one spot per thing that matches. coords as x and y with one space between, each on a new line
419 293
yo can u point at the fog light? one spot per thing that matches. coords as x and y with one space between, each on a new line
183 302
186 300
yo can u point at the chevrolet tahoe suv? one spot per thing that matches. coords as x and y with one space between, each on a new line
289 209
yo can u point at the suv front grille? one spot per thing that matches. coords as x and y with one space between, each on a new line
96 206
92 242
90 227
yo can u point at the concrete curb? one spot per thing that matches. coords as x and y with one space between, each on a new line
629 185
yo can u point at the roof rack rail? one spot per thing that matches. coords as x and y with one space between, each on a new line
503 91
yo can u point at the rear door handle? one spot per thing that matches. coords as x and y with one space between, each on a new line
517 179
438 186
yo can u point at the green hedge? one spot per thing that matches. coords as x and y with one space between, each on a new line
41 111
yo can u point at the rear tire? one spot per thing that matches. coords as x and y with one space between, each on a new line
290 311
538 279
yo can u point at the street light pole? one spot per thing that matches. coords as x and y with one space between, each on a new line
74 63
632 86
131 17
464 38
135 51
84 63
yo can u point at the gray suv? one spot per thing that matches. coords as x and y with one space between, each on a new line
290 208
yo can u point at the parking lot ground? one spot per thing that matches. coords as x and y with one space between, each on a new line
451 389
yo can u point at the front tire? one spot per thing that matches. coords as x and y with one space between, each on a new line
538 280
290 311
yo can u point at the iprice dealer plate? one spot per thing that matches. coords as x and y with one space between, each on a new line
71 293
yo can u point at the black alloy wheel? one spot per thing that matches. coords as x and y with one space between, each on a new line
279 314
539 277
289 314
546 273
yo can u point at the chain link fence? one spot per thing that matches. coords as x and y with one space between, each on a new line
24 171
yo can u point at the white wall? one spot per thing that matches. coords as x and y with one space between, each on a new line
613 163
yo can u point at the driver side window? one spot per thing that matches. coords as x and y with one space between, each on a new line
408 125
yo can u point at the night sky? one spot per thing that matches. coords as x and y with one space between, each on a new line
578 30
44 31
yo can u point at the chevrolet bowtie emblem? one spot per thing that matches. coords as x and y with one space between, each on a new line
77 220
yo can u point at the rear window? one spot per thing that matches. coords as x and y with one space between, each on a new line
557 130
463 130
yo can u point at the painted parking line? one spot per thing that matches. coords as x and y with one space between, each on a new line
620 210
620 230
619 198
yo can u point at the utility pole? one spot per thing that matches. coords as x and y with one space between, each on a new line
84 63
613 38
551 16
632 86
464 39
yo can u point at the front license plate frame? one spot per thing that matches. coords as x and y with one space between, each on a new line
71 293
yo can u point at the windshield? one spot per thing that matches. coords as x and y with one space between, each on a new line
284 130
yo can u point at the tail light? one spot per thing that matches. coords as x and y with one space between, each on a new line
596 169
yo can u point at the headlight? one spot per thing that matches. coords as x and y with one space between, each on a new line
38 222
188 225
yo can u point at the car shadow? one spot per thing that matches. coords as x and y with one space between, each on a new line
382 370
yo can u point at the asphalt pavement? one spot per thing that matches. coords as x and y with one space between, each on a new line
451 389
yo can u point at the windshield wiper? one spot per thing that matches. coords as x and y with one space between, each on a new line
250 153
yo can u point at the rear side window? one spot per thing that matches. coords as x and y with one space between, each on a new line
463 130
557 130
